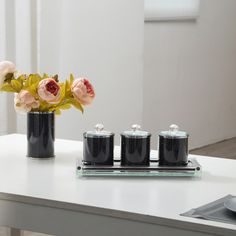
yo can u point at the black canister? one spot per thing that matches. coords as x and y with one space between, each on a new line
40 134
135 147
98 147
173 147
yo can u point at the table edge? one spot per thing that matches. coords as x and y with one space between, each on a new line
173 223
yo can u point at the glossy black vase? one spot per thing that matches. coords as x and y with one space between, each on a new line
40 134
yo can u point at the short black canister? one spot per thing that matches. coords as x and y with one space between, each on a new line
173 147
98 147
135 147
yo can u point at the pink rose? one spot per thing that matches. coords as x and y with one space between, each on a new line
49 90
25 102
83 91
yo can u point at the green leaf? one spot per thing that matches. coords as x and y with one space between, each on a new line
67 89
22 77
33 90
64 106
39 78
71 78
33 79
21 80
31 84
16 85
76 104
67 85
58 112
7 88
45 76
44 106
55 77
63 91
26 84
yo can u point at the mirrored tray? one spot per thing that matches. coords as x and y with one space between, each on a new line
193 169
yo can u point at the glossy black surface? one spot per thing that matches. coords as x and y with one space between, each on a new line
98 150
40 134
135 151
173 151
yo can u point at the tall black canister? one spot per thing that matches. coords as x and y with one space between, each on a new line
173 147
98 146
135 147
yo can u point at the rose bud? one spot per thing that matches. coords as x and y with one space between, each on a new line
6 67
49 90
83 91
25 102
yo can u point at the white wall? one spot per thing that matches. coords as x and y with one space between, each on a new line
102 40
3 100
24 44
7 52
189 67
190 74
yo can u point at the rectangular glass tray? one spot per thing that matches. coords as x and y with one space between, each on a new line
193 169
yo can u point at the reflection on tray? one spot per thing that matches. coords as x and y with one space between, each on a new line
192 169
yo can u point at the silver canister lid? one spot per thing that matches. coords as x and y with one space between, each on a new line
135 132
98 132
174 132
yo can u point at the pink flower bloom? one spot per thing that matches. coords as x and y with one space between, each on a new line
83 91
25 102
6 67
49 90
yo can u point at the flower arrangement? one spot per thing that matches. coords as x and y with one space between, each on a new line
45 93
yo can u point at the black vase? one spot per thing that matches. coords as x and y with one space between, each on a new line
40 134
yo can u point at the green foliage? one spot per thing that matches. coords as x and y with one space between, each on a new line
63 91
55 77
44 106
57 112
65 106
31 83
16 85
7 88
71 79
45 76
76 104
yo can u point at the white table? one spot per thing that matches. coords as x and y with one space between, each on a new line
46 196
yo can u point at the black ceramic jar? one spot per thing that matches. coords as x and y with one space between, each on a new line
173 147
40 134
98 147
135 147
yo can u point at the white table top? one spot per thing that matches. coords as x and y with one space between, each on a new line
154 200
